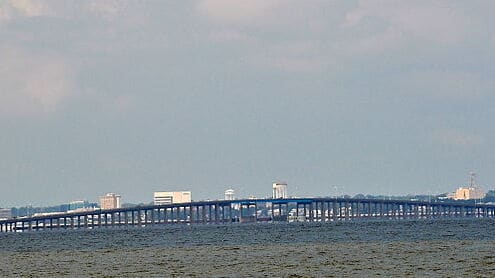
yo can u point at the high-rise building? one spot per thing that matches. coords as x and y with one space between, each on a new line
229 194
5 213
279 190
110 201
175 197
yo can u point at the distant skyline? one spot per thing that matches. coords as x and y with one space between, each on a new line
132 97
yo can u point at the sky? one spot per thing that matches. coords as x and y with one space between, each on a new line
333 97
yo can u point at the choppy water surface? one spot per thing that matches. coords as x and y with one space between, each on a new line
442 248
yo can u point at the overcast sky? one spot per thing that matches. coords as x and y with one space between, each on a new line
373 97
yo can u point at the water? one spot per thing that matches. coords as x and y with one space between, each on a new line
443 248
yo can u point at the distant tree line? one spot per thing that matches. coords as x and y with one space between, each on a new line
489 198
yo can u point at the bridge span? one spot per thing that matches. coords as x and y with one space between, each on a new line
250 210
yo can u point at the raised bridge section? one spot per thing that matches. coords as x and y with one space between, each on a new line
250 210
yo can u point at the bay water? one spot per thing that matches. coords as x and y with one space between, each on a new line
406 248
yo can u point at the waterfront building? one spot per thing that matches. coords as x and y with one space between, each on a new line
229 194
110 201
279 190
471 192
5 213
174 197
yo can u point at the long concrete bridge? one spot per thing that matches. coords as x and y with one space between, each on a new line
250 210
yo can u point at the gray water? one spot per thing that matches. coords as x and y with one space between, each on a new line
422 248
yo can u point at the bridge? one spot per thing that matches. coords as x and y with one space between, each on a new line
250 210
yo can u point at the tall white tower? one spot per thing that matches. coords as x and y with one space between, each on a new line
279 190
229 194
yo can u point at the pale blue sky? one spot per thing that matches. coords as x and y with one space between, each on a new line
374 97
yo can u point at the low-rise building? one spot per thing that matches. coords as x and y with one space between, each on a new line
5 213
110 201
229 194
174 197
469 193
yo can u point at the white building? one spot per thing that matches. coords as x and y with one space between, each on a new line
175 197
5 213
229 194
110 201
279 190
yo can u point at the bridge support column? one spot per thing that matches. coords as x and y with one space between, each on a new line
210 213
305 212
297 211
311 212
347 211
334 211
324 211
203 213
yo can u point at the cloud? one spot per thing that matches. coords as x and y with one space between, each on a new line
414 20
32 84
457 138
373 44
238 12
339 33
109 10
12 9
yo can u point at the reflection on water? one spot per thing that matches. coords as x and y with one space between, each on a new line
402 248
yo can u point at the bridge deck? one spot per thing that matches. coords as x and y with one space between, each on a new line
250 210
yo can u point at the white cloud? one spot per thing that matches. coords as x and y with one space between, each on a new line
109 10
32 84
12 9
457 138
338 32
423 21
29 8
373 44
228 11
